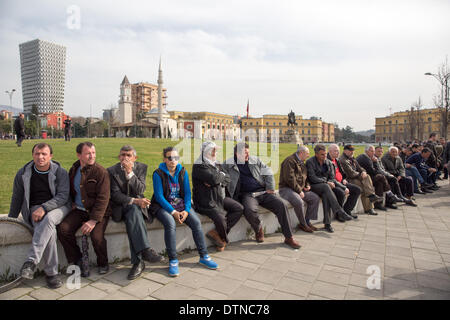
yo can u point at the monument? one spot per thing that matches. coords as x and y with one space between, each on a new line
291 135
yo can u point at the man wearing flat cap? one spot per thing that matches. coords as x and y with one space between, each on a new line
357 175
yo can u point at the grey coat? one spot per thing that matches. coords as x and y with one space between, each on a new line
260 171
393 165
122 190
59 184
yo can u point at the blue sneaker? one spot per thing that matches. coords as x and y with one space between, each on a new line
208 262
173 268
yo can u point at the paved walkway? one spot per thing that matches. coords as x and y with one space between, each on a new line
411 247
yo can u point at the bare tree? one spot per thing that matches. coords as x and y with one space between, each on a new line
441 100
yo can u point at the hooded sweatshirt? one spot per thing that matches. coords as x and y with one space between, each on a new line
174 188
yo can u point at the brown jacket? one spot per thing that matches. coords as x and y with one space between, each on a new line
351 167
95 190
293 174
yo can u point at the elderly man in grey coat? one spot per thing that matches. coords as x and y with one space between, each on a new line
41 193
253 184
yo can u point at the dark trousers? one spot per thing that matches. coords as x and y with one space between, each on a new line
271 202
429 177
136 231
67 135
224 220
380 184
329 200
395 186
354 193
20 138
66 235
407 186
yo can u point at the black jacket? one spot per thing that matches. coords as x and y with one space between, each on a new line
368 165
122 190
446 154
19 126
208 199
315 174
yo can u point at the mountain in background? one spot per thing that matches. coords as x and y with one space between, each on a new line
366 133
15 111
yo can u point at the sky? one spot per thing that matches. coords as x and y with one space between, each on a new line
344 61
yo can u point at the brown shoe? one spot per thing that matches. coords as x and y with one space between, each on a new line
312 227
215 238
260 235
292 243
220 249
305 228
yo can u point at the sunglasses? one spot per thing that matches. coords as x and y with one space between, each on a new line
174 158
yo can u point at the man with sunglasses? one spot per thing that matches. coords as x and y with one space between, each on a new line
171 203
128 203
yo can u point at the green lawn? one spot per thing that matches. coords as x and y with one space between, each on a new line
149 152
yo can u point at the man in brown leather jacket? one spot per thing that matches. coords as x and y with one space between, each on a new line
90 191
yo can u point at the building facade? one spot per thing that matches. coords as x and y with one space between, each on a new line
408 125
309 130
53 120
43 66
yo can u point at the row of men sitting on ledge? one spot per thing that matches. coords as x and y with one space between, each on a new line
56 203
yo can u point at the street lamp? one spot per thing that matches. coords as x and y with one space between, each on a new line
10 93
443 80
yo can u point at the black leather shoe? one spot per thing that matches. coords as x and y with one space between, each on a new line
419 192
379 206
329 228
410 203
354 216
371 212
136 270
103 270
391 206
28 269
339 217
398 199
426 190
53 282
151 256
375 198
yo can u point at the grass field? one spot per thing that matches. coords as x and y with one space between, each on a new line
149 152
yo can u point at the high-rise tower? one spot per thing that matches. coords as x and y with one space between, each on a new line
43 68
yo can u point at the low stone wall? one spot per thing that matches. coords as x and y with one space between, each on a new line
15 243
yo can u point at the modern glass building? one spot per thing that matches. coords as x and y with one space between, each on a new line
43 68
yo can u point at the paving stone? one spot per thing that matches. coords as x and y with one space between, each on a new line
119 277
259 285
359 280
403 263
159 276
315 258
254 257
16 292
432 282
141 288
300 276
280 295
210 294
266 276
237 272
344 253
293 286
305 268
334 277
248 293
328 290
340 262
399 273
86 293
193 279
106 286
431 257
398 242
223 284
355 296
374 293
277 265
246 264
26 297
45 294
368 255
337 269
313 297
173 291
428 265
119 295
398 252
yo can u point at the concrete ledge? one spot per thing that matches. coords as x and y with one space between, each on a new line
15 240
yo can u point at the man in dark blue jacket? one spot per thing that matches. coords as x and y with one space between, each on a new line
419 161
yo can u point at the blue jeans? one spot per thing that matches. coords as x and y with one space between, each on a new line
192 221
415 174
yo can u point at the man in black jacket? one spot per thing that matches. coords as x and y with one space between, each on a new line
323 182
446 156
379 177
67 128
127 179
19 127
208 188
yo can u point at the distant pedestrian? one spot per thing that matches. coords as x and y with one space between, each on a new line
67 128
19 127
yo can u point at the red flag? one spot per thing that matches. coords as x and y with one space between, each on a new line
247 107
